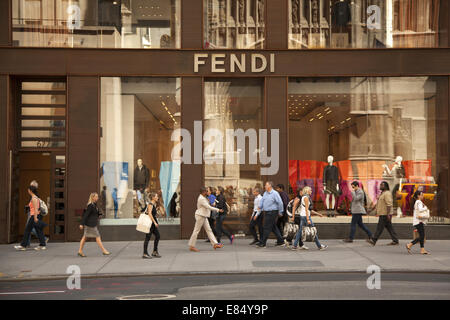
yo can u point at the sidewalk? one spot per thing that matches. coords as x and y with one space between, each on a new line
237 258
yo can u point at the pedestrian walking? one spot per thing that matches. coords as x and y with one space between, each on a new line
212 219
420 218
221 203
256 219
152 203
281 221
27 212
272 206
384 211
202 214
296 211
33 222
358 209
305 219
89 222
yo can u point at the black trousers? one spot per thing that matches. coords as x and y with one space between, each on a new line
281 221
258 223
385 222
219 227
39 226
212 224
270 225
421 229
153 230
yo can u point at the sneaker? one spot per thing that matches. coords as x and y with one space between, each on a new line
323 247
393 243
260 245
156 254
40 248
279 244
231 239
294 248
303 247
348 240
146 256
372 241
20 248
253 242
46 240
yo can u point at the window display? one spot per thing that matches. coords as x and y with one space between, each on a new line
365 23
369 130
234 24
138 119
97 23
233 104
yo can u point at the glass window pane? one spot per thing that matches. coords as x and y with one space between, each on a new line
367 24
138 119
43 123
377 129
235 106
43 99
234 24
43 144
43 85
43 111
97 23
42 134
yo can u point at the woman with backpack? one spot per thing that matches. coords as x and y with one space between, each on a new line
421 215
305 219
33 222
359 202
89 222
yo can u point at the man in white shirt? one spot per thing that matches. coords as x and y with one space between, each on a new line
256 218
202 214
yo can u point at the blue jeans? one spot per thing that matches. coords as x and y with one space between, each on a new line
298 236
357 220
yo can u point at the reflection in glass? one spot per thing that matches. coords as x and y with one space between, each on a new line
377 129
97 23
138 118
233 104
233 24
365 24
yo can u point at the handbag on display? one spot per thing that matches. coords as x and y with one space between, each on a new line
290 230
308 233
144 223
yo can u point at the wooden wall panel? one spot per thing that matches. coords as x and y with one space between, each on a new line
276 26
276 115
5 22
82 149
4 159
191 27
191 174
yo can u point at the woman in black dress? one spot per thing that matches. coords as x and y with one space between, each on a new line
222 204
151 211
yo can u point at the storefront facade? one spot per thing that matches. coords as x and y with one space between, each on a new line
104 96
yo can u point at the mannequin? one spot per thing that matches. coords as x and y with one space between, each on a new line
330 186
398 173
141 176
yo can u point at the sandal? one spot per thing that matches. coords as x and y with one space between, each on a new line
408 248
425 252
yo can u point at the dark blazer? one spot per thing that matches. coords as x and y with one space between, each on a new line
221 204
90 216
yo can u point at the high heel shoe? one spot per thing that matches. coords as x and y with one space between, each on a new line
107 253
194 249
218 245
81 255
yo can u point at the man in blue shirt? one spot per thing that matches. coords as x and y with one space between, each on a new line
272 206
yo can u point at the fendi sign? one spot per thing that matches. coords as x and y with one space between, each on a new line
242 62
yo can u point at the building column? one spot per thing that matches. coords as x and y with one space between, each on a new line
83 147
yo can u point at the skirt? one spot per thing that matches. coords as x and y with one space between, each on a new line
331 188
91 232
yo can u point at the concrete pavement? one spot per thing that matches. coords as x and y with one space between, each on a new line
126 259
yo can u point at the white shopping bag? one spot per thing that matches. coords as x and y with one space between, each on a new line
144 223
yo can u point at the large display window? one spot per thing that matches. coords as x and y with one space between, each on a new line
234 24
234 106
367 23
96 23
139 118
370 129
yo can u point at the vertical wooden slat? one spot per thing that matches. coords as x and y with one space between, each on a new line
191 174
276 109
4 159
276 25
191 27
5 22
82 160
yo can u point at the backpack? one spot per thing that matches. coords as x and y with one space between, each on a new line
43 209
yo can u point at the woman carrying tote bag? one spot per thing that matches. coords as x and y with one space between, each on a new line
152 212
